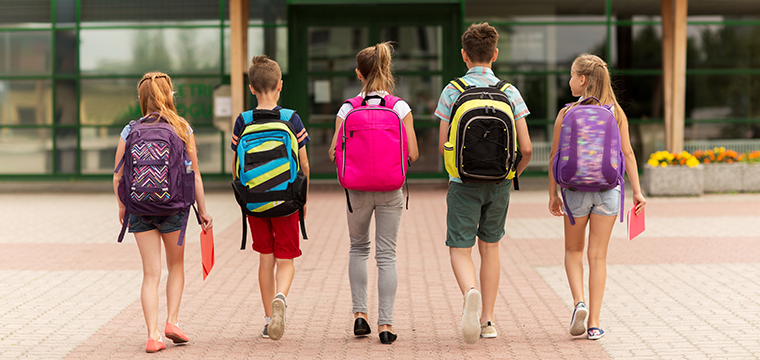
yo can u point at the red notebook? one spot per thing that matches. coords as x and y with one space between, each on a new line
635 223
207 251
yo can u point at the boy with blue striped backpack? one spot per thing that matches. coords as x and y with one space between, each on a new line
271 172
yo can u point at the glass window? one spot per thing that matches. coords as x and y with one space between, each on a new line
98 149
25 151
319 162
25 102
488 10
722 96
27 13
66 52
718 46
416 47
66 150
144 12
209 144
335 48
25 53
114 101
65 13
136 51
66 102
544 47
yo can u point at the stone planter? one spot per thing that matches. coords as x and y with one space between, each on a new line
673 180
751 178
721 177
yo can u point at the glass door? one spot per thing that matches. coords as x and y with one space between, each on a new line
323 76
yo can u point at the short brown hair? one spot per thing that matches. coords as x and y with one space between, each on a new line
264 74
479 42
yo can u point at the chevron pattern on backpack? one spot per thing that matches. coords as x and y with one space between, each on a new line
149 173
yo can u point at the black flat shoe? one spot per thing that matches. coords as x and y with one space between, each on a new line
387 337
361 327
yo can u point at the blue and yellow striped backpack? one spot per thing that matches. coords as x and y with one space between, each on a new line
269 180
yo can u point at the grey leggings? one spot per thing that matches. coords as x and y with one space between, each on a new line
387 207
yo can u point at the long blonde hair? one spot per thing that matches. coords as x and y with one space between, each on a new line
157 96
374 63
598 83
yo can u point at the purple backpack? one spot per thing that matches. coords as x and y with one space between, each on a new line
157 179
590 154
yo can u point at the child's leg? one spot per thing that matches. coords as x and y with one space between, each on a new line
600 229
490 272
358 232
387 220
464 268
267 281
284 275
149 244
575 242
175 282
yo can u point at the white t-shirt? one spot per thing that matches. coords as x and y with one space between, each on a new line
401 107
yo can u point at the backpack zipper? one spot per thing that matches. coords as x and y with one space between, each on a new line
460 157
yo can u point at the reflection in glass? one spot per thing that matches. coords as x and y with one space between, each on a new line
136 51
65 102
25 102
416 47
209 144
65 13
25 151
25 53
66 52
114 101
335 48
25 14
66 150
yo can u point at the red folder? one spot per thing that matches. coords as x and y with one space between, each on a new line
207 251
635 223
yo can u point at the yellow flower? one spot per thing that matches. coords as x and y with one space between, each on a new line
653 162
664 164
692 162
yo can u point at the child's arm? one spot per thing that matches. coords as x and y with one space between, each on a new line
555 204
411 137
117 176
631 167
523 141
304 162
331 150
443 135
200 196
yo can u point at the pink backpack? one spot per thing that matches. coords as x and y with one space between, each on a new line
372 151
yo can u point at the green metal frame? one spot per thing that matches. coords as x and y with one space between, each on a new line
330 9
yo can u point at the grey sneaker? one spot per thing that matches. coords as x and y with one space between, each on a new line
265 332
470 323
578 322
277 324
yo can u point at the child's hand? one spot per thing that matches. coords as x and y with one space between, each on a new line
122 210
640 201
206 221
555 206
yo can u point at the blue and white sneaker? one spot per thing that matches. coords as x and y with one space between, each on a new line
578 323
595 333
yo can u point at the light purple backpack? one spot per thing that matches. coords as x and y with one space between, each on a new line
157 179
590 154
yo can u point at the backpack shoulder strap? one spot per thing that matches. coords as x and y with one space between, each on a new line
247 116
354 101
502 85
460 84
286 114
390 101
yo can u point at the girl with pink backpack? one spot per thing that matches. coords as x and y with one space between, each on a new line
373 144
587 166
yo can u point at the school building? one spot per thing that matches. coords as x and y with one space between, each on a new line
686 71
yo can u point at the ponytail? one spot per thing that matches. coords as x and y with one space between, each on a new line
157 96
374 63
599 84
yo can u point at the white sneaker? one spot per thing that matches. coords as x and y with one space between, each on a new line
578 322
277 324
470 323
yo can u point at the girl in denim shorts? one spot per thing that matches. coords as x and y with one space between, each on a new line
598 210
156 96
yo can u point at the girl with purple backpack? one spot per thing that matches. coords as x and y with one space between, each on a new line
156 95
597 210
374 72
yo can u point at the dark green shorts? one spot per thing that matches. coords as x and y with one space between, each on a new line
476 210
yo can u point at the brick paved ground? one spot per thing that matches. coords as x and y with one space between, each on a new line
686 289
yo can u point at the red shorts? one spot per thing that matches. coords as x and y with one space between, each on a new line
278 236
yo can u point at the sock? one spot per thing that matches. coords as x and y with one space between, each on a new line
266 320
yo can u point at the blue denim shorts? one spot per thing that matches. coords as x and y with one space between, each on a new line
582 203
164 224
